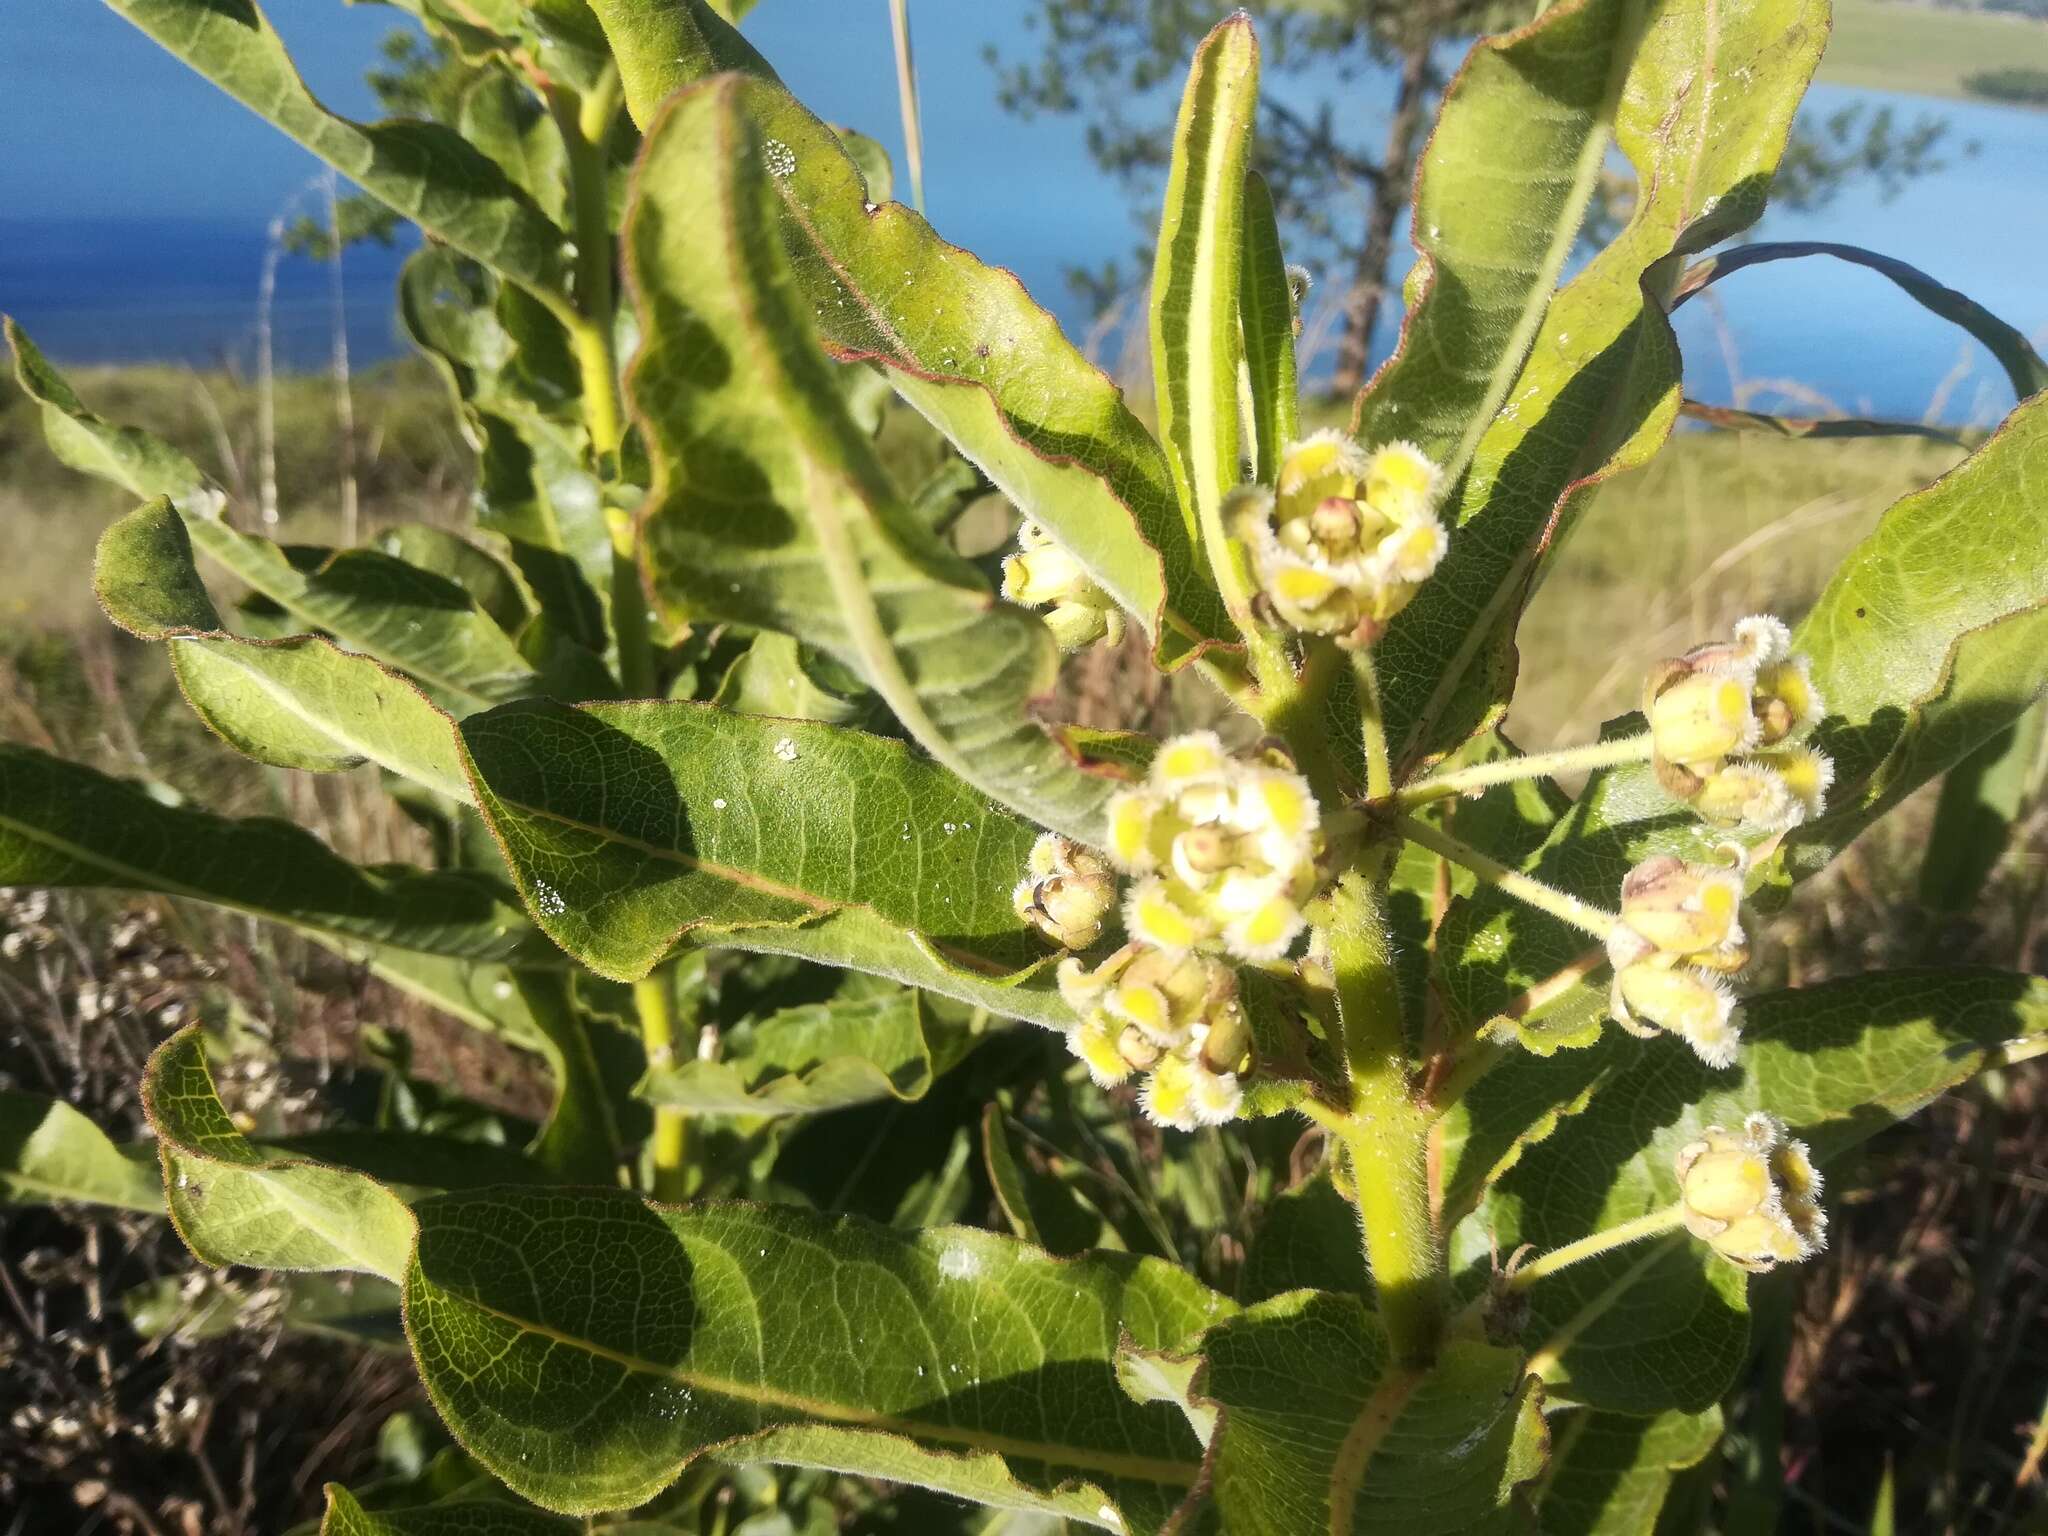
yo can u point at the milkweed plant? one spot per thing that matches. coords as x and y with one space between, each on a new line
1325 1113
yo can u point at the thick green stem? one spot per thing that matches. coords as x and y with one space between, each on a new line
654 1000
1466 781
1522 887
1655 1224
1295 714
1386 1133
590 319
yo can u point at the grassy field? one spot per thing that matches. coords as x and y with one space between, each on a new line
1925 50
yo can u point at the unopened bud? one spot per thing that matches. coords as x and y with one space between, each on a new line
1753 1195
1066 892
1076 625
1681 908
1772 791
1694 1005
1043 573
1784 700
1699 718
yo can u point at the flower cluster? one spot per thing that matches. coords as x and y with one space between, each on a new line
1679 936
1174 1017
1224 851
1753 1195
1726 721
1343 540
1066 892
1041 572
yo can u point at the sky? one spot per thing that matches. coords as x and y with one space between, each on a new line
108 146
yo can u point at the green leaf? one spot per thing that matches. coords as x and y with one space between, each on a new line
358 1309
63 824
409 618
426 171
1610 1473
1321 1432
505 122
863 939
1600 387
129 457
1308 1240
301 702
770 507
1267 313
1492 233
233 1204
664 45
1982 798
509 369
579 1141
1932 636
1039 1200
465 1517
1196 345
51 1152
815 1057
2015 354
948 1358
961 342
629 826
1664 1325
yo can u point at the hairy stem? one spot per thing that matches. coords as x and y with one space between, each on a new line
1654 1224
1465 781
1379 774
1295 715
1522 887
654 1000
1386 1132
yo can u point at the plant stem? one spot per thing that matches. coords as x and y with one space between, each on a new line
1295 715
1654 1224
1479 1057
585 122
1386 1133
1465 781
1379 774
654 1000
1522 887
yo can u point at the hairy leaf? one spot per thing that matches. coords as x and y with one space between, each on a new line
235 1204
1982 798
2015 354
1663 1325
64 824
426 171
464 1517
631 826
1932 636
770 507
1196 344
1610 1473
815 1057
1600 388
948 1358
1492 231
300 702
1266 310
1321 1432
51 1152
963 343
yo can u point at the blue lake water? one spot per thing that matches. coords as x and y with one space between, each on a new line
107 289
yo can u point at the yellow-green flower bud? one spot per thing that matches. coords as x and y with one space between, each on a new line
1753 1195
1770 792
1343 539
1182 1094
1693 911
1699 718
1066 892
1095 1041
1042 573
1785 700
1224 850
1693 1004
